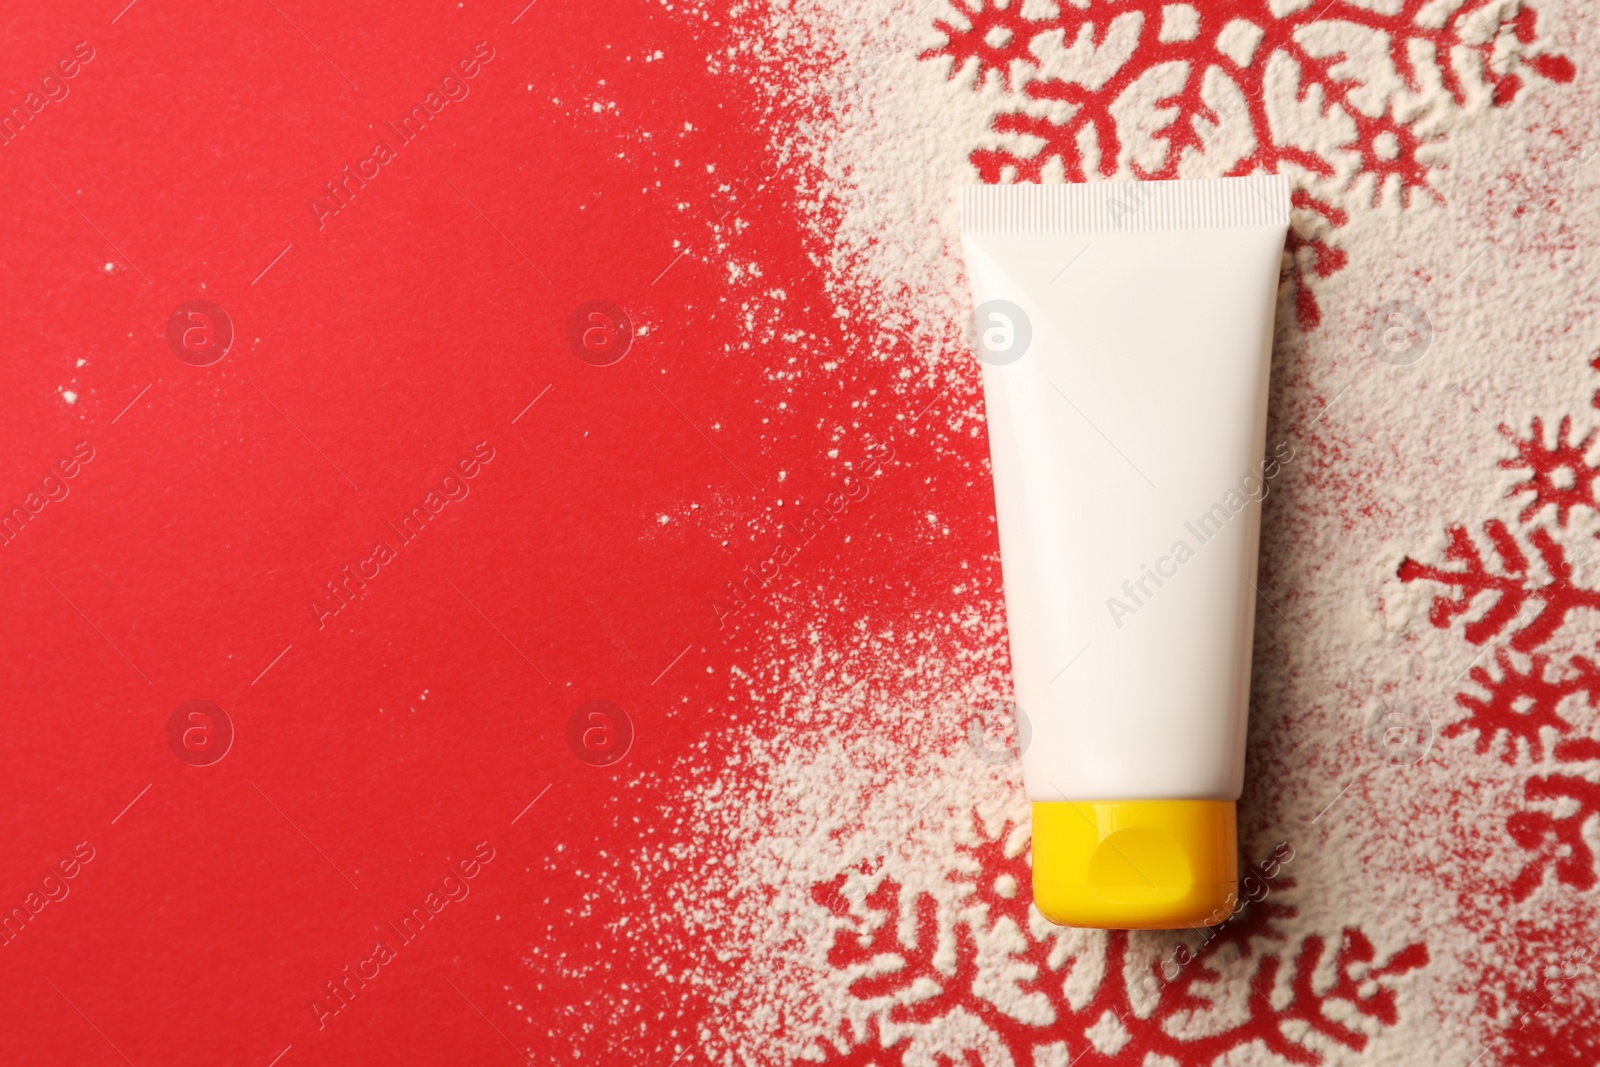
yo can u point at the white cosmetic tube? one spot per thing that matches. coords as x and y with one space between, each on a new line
1126 335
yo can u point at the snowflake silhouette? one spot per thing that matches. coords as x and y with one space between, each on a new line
1514 586
1205 63
1561 476
1522 704
1529 696
990 981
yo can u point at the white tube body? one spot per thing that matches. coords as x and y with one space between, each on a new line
1127 442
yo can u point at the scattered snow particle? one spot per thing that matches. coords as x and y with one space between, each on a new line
1108 1035
1179 22
998 37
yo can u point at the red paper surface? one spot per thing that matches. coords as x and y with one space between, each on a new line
376 747
490 719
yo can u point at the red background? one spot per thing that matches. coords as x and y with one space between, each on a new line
392 340
429 315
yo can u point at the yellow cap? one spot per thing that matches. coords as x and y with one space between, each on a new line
1135 864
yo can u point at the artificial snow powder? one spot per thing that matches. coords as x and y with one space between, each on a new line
864 866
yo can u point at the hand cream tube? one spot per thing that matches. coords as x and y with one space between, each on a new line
1126 334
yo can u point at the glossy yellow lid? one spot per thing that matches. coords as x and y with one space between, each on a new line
1135 864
